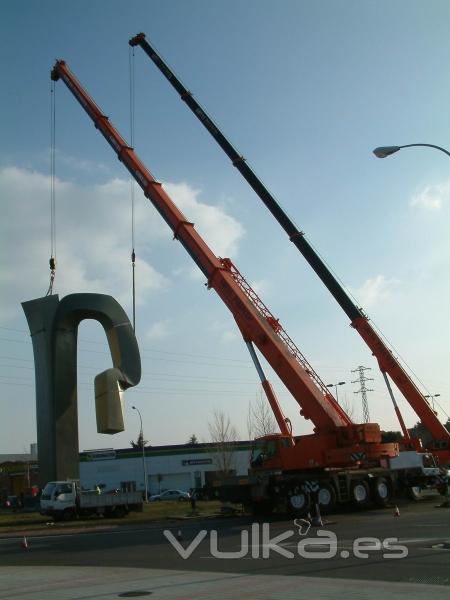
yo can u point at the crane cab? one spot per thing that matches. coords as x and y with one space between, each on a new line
268 450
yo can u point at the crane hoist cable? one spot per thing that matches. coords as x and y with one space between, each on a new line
52 260
132 182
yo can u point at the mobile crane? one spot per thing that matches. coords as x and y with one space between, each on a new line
388 363
345 457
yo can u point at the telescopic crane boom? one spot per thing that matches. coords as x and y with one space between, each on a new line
336 440
359 321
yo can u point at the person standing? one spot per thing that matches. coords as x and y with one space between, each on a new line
193 499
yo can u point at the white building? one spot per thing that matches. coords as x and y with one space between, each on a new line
179 467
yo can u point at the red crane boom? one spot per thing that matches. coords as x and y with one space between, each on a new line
336 438
386 360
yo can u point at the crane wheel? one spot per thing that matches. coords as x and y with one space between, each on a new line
298 504
382 491
327 498
360 493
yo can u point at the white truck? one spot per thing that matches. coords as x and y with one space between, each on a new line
417 471
65 500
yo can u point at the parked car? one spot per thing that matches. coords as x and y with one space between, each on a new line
170 495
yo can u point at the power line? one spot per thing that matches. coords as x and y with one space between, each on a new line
239 363
84 340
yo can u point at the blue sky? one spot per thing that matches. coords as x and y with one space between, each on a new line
305 90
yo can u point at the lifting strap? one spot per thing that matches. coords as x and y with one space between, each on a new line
133 253
52 260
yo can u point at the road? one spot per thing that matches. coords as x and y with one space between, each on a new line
420 530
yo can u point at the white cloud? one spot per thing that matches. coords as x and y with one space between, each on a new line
220 231
224 331
93 243
261 286
432 197
81 164
192 273
158 330
375 290
229 335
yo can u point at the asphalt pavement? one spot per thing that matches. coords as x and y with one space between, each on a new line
358 554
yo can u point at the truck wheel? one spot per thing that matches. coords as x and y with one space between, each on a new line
415 492
360 493
327 498
68 514
298 504
382 491
121 512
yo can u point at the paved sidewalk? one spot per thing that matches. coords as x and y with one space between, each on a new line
88 583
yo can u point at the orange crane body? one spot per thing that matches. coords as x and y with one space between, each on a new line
336 440
387 362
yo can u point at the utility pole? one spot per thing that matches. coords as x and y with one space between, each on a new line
141 435
363 390
335 385
432 396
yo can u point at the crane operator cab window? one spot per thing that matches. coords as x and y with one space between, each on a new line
261 453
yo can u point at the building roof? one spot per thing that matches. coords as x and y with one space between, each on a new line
174 449
16 458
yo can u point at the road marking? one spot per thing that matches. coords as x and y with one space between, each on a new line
428 525
418 540
79 533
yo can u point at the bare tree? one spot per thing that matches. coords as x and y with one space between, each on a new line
224 435
348 407
260 419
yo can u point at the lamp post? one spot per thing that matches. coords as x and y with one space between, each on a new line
143 454
432 396
384 151
335 385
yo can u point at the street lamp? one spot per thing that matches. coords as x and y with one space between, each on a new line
335 385
384 151
432 396
143 454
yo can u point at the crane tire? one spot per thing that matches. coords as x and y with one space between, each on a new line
382 491
327 498
298 504
360 493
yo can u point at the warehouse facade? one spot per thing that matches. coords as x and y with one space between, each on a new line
182 467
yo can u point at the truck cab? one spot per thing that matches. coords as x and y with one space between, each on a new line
267 451
58 496
422 462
